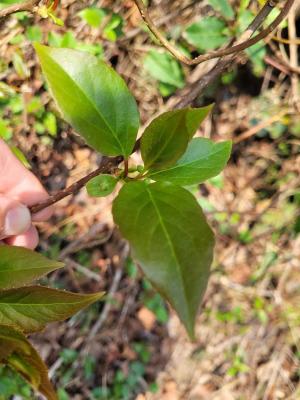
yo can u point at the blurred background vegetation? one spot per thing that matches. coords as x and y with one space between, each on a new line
132 346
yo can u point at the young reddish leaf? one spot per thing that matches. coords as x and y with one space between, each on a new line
167 137
203 159
19 266
31 308
171 241
18 353
93 98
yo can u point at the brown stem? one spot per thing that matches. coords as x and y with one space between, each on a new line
26 6
126 168
222 64
223 52
108 164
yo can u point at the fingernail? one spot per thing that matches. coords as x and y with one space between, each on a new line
17 221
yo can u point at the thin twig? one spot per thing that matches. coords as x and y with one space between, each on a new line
26 6
294 56
222 64
108 165
269 5
262 125
82 269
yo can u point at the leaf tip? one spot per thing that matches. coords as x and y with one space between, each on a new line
93 297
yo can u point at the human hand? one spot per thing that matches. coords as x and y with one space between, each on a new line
19 188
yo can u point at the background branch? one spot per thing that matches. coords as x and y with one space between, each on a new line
27 6
242 45
189 94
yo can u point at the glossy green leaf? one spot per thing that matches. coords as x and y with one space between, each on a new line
101 185
93 98
167 137
203 159
206 34
31 308
19 266
171 241
18 353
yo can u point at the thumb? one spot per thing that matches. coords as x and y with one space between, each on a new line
15 218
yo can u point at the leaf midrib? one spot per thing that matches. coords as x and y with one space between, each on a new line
186 165
169 241
92 104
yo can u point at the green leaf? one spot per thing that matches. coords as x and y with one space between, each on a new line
171 241
167 137
19 266
93 16
207 34
20 156
34 33
5 130
257 54
18 353
93 98
224 7
101 185
50 124
203 159
114 28
163 67
32 307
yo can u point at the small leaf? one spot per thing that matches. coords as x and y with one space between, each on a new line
18 353
203 159
163 67
113 29
207 34
93 98
167 137
171 241
50 124
31 308
101 185
93 16
19 266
